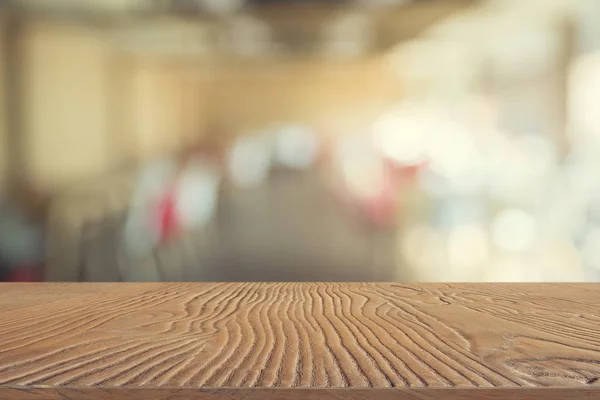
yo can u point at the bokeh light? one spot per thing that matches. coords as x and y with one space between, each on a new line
514 230
296 147
249 160
468 249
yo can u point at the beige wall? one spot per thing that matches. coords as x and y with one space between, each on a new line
172 103
87 107
335 95
163 106
65 102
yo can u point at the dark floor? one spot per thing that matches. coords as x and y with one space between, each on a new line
291 229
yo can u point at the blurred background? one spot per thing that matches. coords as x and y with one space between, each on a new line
300 140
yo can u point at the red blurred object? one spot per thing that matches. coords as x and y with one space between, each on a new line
167 216
401 173
26 273
381 210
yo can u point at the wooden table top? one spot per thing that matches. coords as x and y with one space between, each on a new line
299 340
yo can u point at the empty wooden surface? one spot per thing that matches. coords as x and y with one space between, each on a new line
299 340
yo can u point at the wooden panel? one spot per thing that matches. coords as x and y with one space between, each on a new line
296 394
484 341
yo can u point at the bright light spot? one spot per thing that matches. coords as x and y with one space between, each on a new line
452 152
401 138
514 230
467 247
296 147
584 95
249 161
197 193
519 168
364 178
361 167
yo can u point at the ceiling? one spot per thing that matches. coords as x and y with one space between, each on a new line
289 26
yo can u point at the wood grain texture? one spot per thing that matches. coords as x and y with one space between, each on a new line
299 340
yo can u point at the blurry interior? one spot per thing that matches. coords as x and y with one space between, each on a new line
375 140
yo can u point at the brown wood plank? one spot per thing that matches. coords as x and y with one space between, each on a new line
299 340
